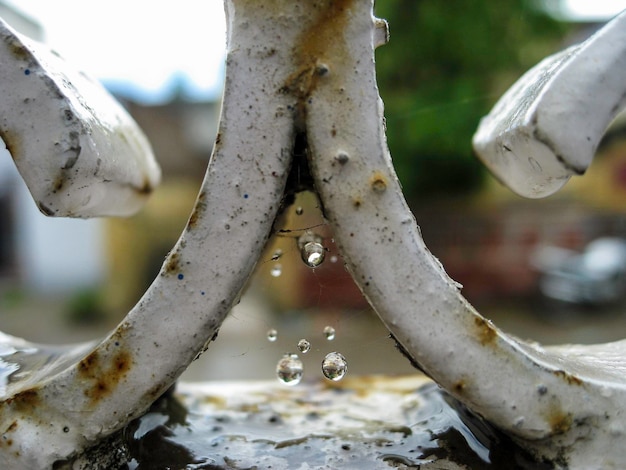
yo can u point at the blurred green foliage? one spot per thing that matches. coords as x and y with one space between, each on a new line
445 66
85 307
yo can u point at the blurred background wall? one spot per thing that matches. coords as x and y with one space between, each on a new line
445 66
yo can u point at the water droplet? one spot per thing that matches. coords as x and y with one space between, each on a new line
329 332
334 366
313 254
311 249
333 259
299 210
289 369
304 346
277 254
277 270
272 335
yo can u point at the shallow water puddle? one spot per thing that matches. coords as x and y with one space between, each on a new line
360 423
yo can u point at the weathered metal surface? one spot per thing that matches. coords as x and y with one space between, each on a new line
547 127
201 278
547 398
301 90
76 148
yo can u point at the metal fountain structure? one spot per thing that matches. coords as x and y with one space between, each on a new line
300 90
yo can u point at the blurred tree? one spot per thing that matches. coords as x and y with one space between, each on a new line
444 67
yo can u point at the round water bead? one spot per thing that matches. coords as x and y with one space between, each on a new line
299 210
311 249
272 335
313 254
289 369
334 366
277 270
304 346
329 332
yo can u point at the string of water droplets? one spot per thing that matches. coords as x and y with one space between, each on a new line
312 251
290 369
304 346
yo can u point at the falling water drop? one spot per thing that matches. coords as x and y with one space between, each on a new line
272 335
334 366
329 332
304 346
289 369
299 210
277 254
277 270
313 254
311 249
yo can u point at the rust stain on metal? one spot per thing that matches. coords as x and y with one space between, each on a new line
459 386
12 427
569 378
24 401
559 421
487 334
156 391
146 188
172 264
58 183
378 182
5 439
11 143
103 377
320 46
18 49
198 208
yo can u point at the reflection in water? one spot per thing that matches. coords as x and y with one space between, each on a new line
24 364
364 423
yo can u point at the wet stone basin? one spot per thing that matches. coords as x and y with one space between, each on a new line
358 423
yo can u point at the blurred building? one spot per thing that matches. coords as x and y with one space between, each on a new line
181 133
487 241
38 253
57 256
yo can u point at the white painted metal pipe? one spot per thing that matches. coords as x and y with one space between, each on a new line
201 279
547 127
560 404
79 152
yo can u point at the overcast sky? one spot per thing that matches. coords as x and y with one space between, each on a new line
145 44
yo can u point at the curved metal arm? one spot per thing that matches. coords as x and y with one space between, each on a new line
78 151
531 392
199 282
547 127
308 67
